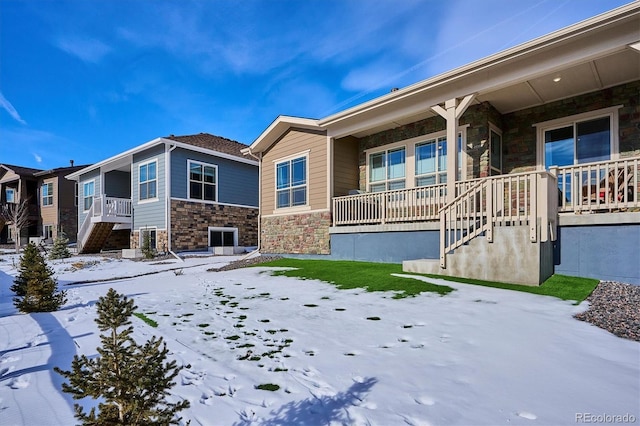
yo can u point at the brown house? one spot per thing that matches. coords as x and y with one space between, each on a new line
52 202
510 168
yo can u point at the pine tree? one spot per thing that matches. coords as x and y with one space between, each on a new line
133 380
35 287
60 249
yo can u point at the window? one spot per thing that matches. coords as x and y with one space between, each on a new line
387 170
147 181
431 161
203 179
150 233
47 232
578 139
291 183
495 151
47 194
88 191
75 193
11 195
223 237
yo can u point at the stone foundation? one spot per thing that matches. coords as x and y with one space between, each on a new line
161 240
190 224
296 234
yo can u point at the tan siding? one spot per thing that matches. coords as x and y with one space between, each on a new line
49 213
345 166
291 143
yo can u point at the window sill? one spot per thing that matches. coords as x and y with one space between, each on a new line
149 200
296 209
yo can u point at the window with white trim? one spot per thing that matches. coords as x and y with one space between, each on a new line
47 194
579 139
150 233
223 237
10 194
203 181
431 161
147 178
75 194
88 192
47 232
291 182
387 169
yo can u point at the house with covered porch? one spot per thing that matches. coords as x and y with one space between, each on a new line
509 168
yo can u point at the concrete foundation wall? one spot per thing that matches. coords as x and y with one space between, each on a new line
388 247
605 252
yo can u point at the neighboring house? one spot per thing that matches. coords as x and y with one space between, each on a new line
184 192
51 198
544 177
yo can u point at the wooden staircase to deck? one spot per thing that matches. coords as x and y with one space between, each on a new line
98 235
105 213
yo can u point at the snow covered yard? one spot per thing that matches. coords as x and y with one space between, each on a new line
475 356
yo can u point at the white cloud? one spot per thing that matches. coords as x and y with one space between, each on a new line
6 105
37 158
86 49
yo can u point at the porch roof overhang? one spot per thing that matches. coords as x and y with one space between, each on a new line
276 129
591 55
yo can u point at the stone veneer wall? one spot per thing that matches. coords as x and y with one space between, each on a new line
161 240
190 224
296 234
519 135
69 223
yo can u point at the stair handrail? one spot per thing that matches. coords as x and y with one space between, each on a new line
84 228
460 235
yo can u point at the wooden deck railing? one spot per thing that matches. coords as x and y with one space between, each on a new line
515 199
402 205
110 209
602 186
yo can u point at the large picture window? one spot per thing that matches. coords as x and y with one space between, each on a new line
203 181
148 181
431 162
47 194
10 193
88 191
387 170
291 183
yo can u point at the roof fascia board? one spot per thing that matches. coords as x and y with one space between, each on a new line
277 128
210 152
115 158
626 12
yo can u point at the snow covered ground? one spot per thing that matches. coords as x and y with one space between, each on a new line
477 356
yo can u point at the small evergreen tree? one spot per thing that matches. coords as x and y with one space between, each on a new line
35 287
132 380
147 250
60 249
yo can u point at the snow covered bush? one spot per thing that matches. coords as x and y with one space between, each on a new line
60 249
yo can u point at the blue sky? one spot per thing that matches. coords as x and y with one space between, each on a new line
87 79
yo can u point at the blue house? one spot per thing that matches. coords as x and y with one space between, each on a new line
185 193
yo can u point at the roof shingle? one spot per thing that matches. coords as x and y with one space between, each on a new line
212 142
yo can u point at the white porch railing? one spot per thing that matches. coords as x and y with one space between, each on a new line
104 209
601 186
402 205
515 199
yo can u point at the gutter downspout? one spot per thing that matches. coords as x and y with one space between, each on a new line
257 251
167 171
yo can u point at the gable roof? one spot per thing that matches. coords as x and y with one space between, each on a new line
19 170
212 142
57 170
277 128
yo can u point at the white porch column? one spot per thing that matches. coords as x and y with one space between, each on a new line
451 112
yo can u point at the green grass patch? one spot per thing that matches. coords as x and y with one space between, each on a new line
349 275
373 318
561 286
268 387
377 277
234 337
146 319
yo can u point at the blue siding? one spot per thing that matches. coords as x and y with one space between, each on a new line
606 252
237 182
149 213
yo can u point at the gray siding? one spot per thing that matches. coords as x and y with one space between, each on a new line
92 175
117 184
149 213
237 182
